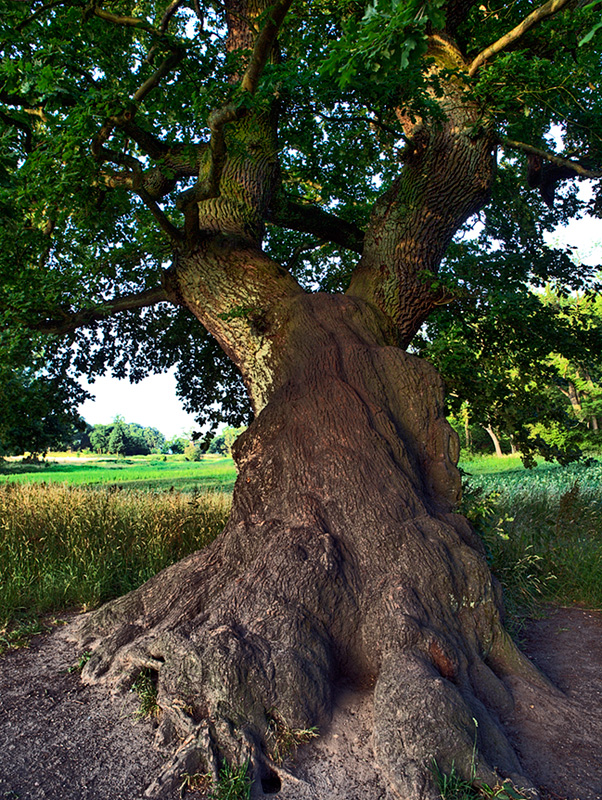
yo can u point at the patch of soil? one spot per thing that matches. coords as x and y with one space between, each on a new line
61 740
561 748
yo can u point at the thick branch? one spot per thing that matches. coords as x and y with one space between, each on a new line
70 322
263 45
131 22
573 166
172 60
549 8
311 219
169 12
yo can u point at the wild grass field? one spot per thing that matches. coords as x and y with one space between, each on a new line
542 528
137 472
74 535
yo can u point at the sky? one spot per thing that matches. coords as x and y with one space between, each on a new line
153 402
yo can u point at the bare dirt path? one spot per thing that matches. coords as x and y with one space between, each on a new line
60 740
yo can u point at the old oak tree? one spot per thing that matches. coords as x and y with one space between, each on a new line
288 178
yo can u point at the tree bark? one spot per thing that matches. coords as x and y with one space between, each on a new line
342 561
494 438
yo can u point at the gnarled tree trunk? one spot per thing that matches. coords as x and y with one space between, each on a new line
342 559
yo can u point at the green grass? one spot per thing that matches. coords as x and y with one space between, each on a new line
138 472
66 546
145 686
542 528
233 783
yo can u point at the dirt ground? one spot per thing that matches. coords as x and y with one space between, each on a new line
61 740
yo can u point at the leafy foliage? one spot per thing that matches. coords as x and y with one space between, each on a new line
76 235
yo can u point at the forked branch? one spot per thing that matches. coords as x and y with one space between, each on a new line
231 112
546 10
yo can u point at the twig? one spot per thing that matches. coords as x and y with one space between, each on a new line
174 233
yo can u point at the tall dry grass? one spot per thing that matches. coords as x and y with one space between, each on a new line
63 546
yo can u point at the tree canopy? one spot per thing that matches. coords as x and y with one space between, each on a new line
112 116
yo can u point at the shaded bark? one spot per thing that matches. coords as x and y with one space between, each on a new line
446 177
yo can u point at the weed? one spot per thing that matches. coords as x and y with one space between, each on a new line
452 786
196 782
233 783
285 740
146 688
81 662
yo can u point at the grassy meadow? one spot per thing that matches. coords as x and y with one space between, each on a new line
138 472
76 533
542 528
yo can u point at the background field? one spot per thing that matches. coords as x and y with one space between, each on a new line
137 472
76 533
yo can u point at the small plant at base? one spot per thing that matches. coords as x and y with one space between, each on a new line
81 662
454 787
285 739
197 782
233 783
144 686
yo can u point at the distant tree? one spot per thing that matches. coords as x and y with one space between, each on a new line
154 439
37 396
223 442
76 436
135 440
193 452
500 357
99 438
118 438
176 445
217 445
